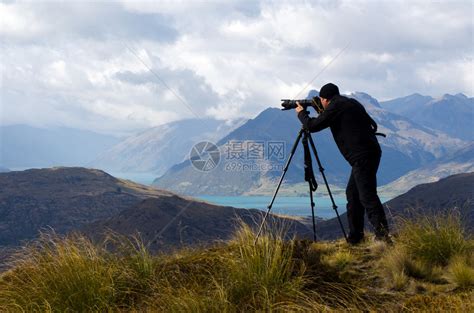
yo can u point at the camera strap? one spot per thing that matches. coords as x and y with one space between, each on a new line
308 165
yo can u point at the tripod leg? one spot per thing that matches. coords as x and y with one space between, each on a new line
312 210
285 169
321 169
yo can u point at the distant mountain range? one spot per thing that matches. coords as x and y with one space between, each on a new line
408 146
23 146
91 201
421 130
158 148
451 114
452 195
460 161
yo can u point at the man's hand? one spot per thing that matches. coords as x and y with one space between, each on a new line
299 108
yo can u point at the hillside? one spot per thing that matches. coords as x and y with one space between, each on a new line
408 146
172 221
69 199
453 193
450 194
62 198
460 161
156 149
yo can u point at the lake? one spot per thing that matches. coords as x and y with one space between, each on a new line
298 206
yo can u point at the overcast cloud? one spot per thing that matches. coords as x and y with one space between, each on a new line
86 64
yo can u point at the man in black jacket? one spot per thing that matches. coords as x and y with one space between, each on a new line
354 132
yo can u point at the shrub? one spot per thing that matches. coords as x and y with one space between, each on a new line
434 239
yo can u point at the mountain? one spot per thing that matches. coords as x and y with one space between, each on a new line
72 199
172 221
448 195
24 146
460 161
406 105
408 146
4 169
62 198
451 114
158 148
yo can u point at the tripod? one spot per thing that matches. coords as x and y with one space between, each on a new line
309 177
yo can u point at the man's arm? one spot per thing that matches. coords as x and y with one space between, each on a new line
316 124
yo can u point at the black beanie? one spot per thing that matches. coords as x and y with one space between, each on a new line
328 91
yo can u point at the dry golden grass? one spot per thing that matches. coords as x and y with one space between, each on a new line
59 274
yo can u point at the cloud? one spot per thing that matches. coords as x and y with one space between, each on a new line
53 22
87 64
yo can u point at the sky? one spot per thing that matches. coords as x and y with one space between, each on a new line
119 67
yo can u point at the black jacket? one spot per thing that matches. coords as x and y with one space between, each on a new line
352 128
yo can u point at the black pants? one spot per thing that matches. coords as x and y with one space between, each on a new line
362 197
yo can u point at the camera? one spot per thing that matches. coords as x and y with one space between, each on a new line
315 102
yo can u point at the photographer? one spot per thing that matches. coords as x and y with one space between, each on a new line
354 133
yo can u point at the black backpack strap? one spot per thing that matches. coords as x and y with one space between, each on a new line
375 126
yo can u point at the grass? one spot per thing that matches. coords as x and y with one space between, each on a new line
61 274
461 272
69 274
339 260
428 248
394 265
434 239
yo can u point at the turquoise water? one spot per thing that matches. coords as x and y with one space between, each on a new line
298 206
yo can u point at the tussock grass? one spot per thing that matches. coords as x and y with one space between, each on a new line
426 249
339 260
58 274
277 274
461 272
394 266
263 273
434 239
